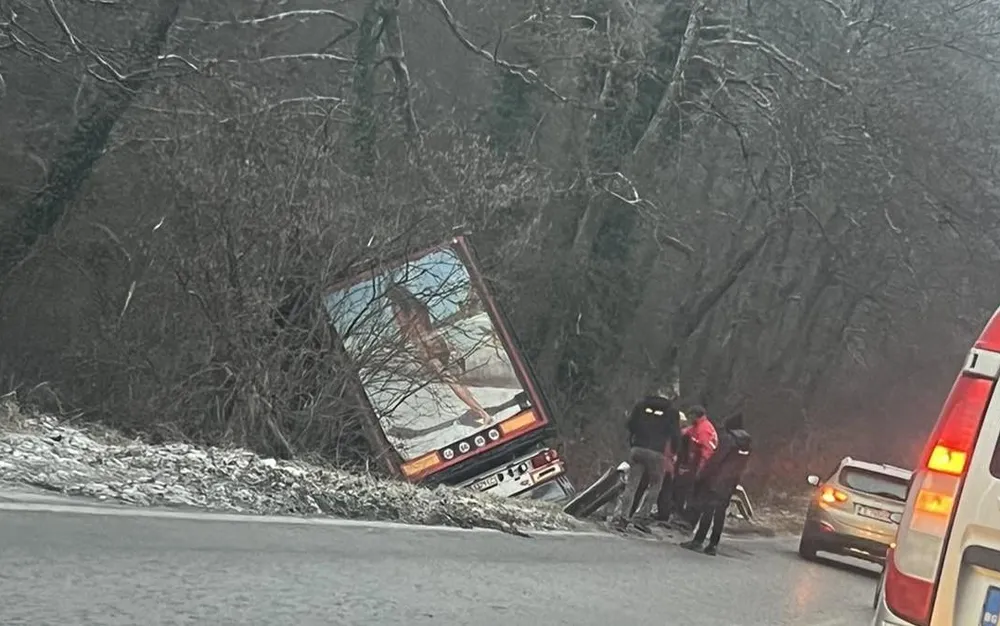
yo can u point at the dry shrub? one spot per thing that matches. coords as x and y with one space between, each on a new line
201 316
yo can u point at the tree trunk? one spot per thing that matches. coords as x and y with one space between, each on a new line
363 114
643 148
697 306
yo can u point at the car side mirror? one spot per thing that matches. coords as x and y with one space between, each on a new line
813 480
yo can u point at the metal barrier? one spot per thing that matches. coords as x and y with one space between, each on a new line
606 489
603 490
741 501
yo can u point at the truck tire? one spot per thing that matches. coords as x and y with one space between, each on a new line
878 589
807 549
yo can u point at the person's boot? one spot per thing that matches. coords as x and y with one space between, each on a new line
711 550
693 545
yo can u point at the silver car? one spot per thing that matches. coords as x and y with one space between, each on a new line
855 511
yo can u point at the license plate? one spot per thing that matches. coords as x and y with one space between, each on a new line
878 514
991 607
486 483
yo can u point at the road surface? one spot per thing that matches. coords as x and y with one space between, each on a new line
100 566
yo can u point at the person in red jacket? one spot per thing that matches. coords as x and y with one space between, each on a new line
717 483
704 440
698 443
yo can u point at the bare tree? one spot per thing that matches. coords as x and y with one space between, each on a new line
89 137
787 205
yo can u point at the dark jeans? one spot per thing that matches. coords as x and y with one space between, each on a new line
714 517
682 495
643 463
665 500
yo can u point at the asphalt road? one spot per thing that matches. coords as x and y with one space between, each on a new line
65 567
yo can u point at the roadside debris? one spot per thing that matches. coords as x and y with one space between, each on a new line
595 502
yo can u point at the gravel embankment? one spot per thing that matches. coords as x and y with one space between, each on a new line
41 451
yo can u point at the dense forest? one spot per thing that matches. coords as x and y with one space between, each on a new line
789 205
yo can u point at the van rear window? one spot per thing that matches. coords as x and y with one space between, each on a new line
874 484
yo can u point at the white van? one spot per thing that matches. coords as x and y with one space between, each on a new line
944 567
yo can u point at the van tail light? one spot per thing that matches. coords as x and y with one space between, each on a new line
913 566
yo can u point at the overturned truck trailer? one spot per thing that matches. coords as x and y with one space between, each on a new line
449 396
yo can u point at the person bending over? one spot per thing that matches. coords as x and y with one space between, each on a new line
652 425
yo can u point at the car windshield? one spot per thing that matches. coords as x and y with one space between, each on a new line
874 483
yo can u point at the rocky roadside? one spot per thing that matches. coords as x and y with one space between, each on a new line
40 451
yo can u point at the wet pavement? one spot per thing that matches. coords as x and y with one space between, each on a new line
63 567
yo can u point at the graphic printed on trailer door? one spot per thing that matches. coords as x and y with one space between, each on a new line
428 354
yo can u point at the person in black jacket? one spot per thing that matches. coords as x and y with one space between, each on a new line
652 424
718 481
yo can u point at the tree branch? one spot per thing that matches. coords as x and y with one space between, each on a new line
305 56
73 41
749 40
84 147
301 14
523 72
267 108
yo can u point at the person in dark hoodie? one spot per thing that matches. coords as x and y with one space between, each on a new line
652 424
718 481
